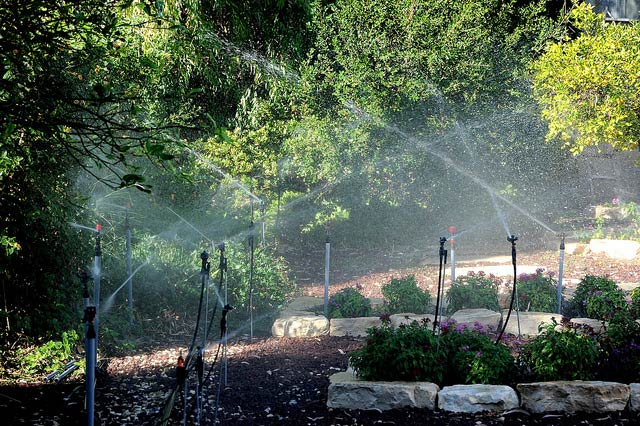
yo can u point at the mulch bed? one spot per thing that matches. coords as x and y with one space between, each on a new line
269 381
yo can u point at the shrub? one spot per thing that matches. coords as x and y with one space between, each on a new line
635 302
537 292
473 357
560 353
598 298
409 353
349 303
474 291
404 295
620 347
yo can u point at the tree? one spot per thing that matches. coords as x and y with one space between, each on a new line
589 87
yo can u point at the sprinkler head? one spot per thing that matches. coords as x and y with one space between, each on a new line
512 239
443 240
98 228
220 246
204 256
452 229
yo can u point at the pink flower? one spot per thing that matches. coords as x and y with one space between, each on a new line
615 201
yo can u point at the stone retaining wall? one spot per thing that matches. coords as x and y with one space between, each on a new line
346 391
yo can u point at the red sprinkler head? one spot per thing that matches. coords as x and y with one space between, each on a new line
98 227
452 229
180 360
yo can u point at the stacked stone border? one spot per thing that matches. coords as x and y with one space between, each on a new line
346 391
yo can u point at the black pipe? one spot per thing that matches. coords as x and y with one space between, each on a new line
512 239
443 256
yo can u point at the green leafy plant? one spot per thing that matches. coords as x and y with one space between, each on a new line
473 357
598 297
537 292
47 357
635 302
560 352
403 295
475 290
349 303
620 347
409 353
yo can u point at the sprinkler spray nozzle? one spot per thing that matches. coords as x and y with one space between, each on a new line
220 246
512 239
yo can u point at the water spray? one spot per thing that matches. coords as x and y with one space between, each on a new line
514 293
442 263
560 273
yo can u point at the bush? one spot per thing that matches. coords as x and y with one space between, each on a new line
473 357
635 302
403 295
620 346
560 353
45 358
409 353
349 303
537 292
598 298
474 291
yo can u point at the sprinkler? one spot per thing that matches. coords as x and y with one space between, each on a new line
514 293
128 263
442 263
223 322
204 272
452 231
97 270
251 254
560 273
327 258
90 369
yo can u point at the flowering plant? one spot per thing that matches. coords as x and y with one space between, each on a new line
598 298
475 290
403 295
537 292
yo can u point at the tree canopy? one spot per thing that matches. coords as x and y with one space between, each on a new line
589 86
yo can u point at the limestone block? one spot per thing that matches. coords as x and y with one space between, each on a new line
574 396
616 249
347 392
529 322
300 326
487 318
576 248
477 398
355 327
634 400
408 318
597 325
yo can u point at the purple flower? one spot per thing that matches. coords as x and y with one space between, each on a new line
615 201
359 287
479 354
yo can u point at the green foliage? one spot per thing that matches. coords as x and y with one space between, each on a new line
635 302
270 289
413 353
47 357
620 346
349 303
537 292
561 352
402 295
474 357
475 290
589 87
407 353
598 297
